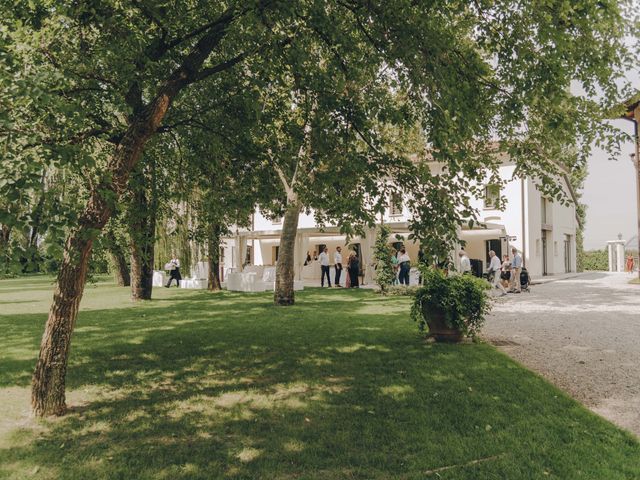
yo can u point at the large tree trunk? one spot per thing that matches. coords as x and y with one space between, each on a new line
118 260
48 383
5 237
142 224
285 272
213 247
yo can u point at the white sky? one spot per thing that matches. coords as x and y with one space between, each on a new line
610 195
610 188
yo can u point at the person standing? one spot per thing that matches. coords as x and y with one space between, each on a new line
174 270
505 271
516 269
629 265
465 263
494 272
354 271
396 267
324 266
405 266
337 261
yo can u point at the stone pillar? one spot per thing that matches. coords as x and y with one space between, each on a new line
610 254
615 249
620 257
367 255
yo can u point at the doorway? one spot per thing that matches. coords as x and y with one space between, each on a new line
494 244
567 253
544 253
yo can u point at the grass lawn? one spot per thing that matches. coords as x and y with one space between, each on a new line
196 385
635 281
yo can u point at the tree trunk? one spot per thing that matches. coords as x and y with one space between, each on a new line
142 228
285 272
5 237
213 247
119 261
48 383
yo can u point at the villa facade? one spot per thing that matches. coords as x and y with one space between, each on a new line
545 231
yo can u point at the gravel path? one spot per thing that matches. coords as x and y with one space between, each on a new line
581 333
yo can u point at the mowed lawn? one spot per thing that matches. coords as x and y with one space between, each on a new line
195 385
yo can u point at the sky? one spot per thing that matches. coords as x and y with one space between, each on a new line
610 195
610 188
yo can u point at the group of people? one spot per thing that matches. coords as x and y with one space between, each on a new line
352 268
401 266
505 275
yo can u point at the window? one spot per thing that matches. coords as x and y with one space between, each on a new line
395 205
491 196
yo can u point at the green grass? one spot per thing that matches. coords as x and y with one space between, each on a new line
196 385
635 281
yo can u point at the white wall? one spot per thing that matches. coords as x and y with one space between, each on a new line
562 221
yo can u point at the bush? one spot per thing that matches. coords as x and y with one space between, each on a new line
595 260
385 274
463 300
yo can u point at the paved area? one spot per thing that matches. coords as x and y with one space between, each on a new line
583 334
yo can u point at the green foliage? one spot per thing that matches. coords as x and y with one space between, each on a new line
595 260
462 298
385 275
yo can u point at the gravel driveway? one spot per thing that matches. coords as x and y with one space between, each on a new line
581 333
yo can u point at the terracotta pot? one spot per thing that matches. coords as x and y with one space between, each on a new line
438 328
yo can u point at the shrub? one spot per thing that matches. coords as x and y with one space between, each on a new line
385 274
463 300
595 260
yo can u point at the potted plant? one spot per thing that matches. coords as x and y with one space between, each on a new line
450 307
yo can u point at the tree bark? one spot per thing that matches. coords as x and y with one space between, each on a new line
48 383
119 261
285 272
142 227
213 247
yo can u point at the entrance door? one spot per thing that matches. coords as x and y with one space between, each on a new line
544 253
356 247
567 253
496 246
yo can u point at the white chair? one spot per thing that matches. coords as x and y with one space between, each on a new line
414 276
159 278
245 282
193 283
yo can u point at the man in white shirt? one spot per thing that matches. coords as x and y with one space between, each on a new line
494 272
405 267
337 261
516 268
465 263
174 268
324 266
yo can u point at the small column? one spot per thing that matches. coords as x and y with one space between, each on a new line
610 252
620 256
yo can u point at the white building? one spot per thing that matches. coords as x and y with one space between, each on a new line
543 230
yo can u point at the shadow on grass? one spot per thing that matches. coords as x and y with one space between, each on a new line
338 386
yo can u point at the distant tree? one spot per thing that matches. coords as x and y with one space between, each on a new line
597 260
